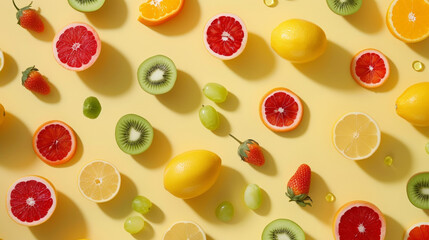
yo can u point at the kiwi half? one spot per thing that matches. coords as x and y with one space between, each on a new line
283 229
418 190
133 134
344 7
86 5
157 74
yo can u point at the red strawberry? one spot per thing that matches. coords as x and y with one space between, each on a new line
299 186
28 18
250 152
34 81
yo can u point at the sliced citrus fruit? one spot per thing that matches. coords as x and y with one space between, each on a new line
155 12
419 231
31 200
1 60
54 142
184 230
99 181
408 20
281 110
225 36
77 46
359 220
370 68
356 136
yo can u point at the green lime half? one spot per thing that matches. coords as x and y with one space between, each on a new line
91 107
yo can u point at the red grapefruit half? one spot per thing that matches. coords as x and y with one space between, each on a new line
359 220
31 200
419 231
77 46
370 68
281 110
54 142
225 36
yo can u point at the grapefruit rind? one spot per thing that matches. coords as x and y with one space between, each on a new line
357 78
407 233
48 185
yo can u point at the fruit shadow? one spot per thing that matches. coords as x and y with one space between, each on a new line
158 153
331 69
146 233
390 146
184 22
112 14
255 62
223 190
393 228
53 97
368 19
67 220
309 237
9 71
48 33
111 74
269 168
321 209
302 127
16 147
77 156
265 207
185 96
421 48
208 237
155 215
391 81
423 130
224 127
231 103
115 208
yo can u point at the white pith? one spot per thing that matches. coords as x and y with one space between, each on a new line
155 3
1 60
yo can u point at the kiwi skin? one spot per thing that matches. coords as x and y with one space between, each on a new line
86 5
280 226
140 125
344 7
416 182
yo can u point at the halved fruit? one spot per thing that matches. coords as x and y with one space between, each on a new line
155 12
31 200
281 110
370 68
419 231
418 190
356 136
86 5
359 220
1 60
408 20
184 230
225 36
99 181
283 229
54 142
77 46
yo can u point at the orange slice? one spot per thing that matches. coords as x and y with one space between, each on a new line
408 20
155 12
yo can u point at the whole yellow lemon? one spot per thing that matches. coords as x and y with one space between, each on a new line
298 40
413 104
191 173
2 114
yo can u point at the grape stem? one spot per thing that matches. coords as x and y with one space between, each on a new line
236 139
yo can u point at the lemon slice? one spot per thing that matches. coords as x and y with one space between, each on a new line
1 60
99 181
356 135
184 230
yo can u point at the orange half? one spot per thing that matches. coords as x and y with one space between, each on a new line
155 12
408 20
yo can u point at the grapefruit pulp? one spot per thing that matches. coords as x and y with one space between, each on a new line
77 46
225 36
370 68
31 200
419 231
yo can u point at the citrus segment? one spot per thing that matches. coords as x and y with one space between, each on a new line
359 220
370 68
419 231
225 36
77 46
154 12
99 181
408 20
54 142
185 231
356 136
31 200
281 110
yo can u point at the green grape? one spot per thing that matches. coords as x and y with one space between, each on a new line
225 211
215 92
209 117
134 224
253 196
427 148
141 204
91 107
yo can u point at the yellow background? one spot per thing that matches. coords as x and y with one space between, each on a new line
325 87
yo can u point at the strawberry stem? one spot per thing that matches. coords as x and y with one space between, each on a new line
236 139
14 4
